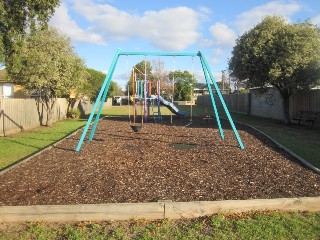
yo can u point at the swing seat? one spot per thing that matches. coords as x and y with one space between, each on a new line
136 128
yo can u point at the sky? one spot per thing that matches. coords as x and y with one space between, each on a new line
97 28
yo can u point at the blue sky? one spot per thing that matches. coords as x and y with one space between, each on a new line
98 28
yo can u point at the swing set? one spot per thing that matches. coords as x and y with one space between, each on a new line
138 97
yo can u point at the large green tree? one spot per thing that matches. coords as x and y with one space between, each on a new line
184 83
17 17
285 56
47 66
92 87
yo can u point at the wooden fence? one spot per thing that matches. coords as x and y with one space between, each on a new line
305 101
268 104
17 115
236 102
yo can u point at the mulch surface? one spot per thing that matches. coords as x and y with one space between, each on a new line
161 162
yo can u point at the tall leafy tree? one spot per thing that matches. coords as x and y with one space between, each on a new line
114 89
184 85
17 17
48 67
92 87
286 56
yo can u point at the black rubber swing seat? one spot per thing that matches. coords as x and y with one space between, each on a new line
136 128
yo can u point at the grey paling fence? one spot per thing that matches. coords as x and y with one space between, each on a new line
238 102
17 115
268 104
305 101
235 102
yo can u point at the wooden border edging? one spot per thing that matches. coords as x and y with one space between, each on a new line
178 210
151 211
82 212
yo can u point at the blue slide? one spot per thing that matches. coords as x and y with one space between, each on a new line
170 106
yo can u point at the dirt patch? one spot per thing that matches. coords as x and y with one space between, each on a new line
120 165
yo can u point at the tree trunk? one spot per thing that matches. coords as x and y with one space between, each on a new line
75 104
49 118
50 103
286 100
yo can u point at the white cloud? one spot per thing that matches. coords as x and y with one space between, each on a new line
199 75
205 43
204 13
62 21
205 10
316 20
214 60
168 29
114 23
248 19
223 35
218 51
217 76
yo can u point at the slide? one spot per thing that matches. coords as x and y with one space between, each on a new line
170 106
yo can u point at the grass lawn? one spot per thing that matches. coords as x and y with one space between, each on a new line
299 139
18 146
270 225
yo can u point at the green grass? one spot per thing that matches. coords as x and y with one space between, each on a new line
299 139
270 225
18 146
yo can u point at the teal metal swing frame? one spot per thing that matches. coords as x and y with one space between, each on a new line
208 77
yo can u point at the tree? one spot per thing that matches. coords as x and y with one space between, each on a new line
285 56
184 85
1 53
92 87
114 89
48 67
161 74
17 17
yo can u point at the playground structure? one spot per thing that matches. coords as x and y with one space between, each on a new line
149 101
142 92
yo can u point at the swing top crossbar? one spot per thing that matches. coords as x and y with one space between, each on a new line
182 54
208 77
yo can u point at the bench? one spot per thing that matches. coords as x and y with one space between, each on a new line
207 117
309 117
